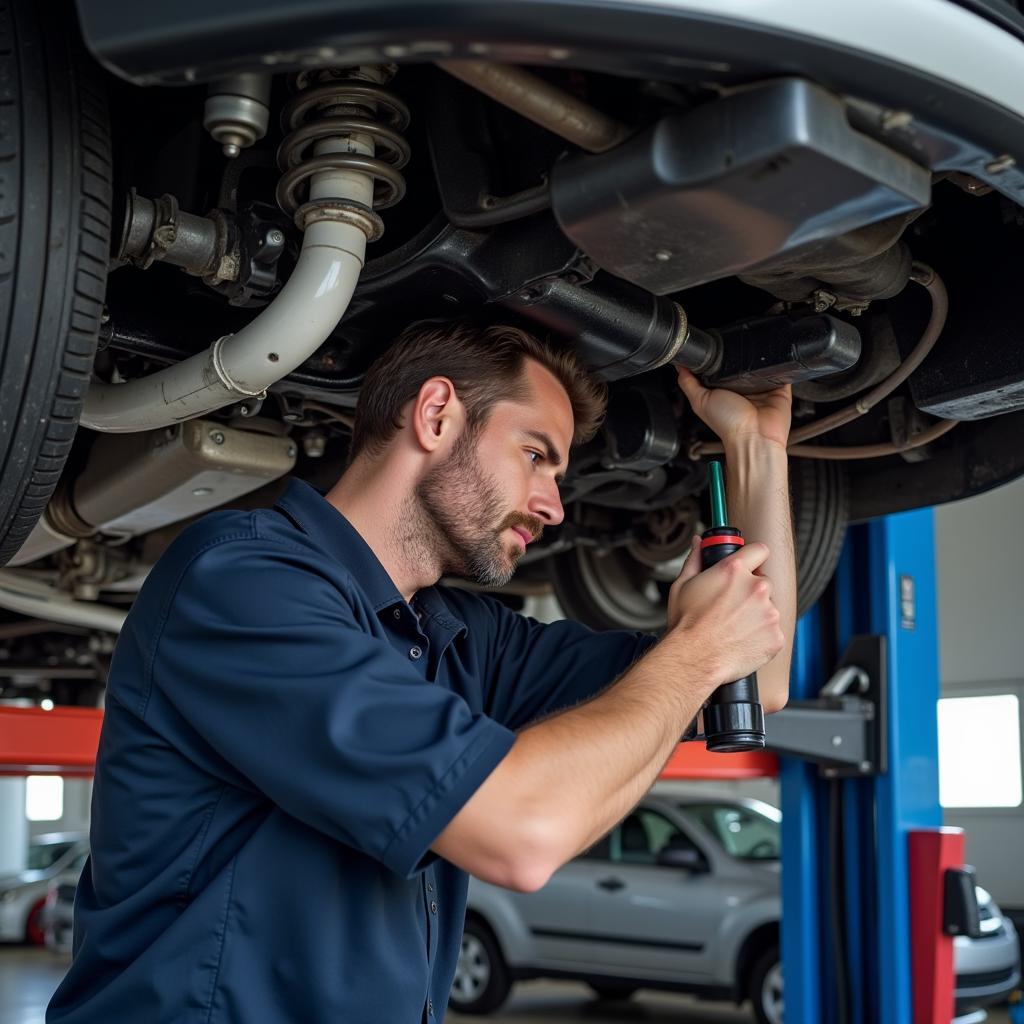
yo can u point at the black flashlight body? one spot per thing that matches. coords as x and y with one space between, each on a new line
733 716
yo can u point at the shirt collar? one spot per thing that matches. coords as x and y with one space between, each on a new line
340 539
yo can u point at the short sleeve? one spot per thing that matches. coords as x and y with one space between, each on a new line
535 668
268 666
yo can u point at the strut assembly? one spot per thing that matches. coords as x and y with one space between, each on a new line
340 161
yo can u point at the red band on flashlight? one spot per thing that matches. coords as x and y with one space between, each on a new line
725 538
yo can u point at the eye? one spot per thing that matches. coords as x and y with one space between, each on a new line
534 457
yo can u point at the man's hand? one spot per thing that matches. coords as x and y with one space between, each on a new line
725 617
736 418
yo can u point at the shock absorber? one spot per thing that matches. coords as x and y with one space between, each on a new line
343 139
341 159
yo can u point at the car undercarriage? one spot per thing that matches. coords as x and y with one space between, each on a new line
665 200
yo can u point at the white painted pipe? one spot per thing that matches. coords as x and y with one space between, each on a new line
245 364
41 601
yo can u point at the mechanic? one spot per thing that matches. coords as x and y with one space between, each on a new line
308 744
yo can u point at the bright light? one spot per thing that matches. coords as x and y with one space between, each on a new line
979 751
44 797
46 704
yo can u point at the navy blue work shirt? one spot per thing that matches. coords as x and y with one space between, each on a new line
284 738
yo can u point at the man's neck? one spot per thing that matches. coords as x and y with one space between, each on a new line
381 506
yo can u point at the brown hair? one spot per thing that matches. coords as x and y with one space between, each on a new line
486 366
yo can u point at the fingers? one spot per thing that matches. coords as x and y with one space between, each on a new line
749 558
691 387
692 565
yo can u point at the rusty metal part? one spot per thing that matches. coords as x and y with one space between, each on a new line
541 102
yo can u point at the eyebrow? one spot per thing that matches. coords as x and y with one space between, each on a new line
552 454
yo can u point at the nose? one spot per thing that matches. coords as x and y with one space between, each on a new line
546 502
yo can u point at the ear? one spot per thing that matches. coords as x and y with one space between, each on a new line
437 415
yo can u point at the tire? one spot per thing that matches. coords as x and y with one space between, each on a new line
613 590
482 981
55 197
765 987
821 502
612 989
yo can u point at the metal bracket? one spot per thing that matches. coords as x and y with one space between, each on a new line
844 733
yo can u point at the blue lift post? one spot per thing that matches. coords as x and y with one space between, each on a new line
885 585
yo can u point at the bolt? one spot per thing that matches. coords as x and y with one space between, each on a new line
822 300
837 741
314 444
201 492
893 119
663 255
1000 164
865 766
275 236
217 436
291 451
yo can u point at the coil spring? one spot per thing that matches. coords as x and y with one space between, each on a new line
309 118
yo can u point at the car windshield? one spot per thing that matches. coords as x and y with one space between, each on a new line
744 832
44 855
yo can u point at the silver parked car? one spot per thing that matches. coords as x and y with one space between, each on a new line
59 907
23 893
683 894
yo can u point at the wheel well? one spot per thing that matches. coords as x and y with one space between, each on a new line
753 946
479 918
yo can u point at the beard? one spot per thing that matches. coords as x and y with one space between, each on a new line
460 507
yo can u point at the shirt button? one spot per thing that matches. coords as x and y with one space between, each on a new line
414 652
430 1007
433 906
430 888
397 613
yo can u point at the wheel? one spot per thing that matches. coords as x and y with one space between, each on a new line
765 987
54 245
821 501
482 980
35 934
612 989
627 587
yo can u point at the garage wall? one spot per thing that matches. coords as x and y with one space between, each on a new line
980 568
77 797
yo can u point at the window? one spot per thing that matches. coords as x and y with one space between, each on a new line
44 797
643 835
44 855
742 831
979 751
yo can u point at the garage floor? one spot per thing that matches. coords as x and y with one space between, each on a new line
29 976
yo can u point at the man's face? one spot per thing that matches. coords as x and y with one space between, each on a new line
499 486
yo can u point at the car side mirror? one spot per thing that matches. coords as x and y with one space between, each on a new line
685 857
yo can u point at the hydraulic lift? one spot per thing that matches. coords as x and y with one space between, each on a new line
873 886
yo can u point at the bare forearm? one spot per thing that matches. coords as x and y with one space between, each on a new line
569 778
757 483
584 769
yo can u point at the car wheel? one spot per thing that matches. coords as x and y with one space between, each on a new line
54 245
765 988
35 934
612 989
482 979
626 587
